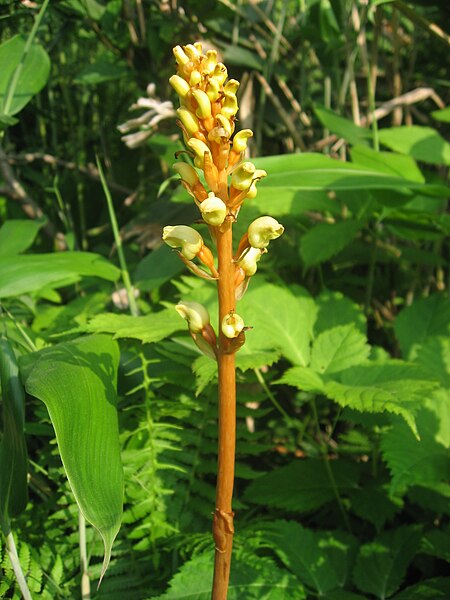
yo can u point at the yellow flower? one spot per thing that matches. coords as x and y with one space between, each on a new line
262 230
232 325
184 237
195 314
213 210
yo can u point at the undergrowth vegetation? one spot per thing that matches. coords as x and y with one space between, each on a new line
343 415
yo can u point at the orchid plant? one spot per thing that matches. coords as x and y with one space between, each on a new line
220 180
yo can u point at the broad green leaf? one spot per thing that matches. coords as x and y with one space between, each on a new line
33 76
304 378
337 349
292 202
105 68
442 115
422 143
335 309
394 387
322 560
436 543
17 235
205 371
304 485
426 317
13 449
281 318
434 356
252 577
432 497
413 462
77 382
28 273
327 239
242 57
310 171
150 328
156 268
430 589
342 127
256 360
390 163
373 503
89 8
381 565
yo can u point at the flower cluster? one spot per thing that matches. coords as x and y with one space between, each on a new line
219 180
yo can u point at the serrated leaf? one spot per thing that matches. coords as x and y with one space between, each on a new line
434 356
252 578
281 318
381 565
303 486
337 349
304 379
425 318
327 239
77 382
436 543
374 504
336 309
322 560
394 387
28 273
414 462
205 370
430 589
150 328
256 360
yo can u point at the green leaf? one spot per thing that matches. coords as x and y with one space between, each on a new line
205 370
394 387
304 378
374 504
401 165
327 239
256 360
33 76
77 383
430 589
156 268
442 115
13 449
150 328
335 309
304 485
422 143
434 357
309 171
322 560
381 565
342 127
17 235
414 462
242 57
436 543
252 577
426 317
338 348
105 68
28 273
281 318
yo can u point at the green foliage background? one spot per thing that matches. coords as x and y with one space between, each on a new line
344 411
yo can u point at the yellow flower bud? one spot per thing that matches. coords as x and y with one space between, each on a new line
248 262
180 85
213 210
195 78
220 73
231 86
242 177
184 237
213 89
191 51
225 123
232 325
210 62
262 230
195 314
186 172
199 148
189 120
204 104
240 140
180 56
229 105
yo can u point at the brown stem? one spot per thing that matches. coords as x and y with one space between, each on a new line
223 515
